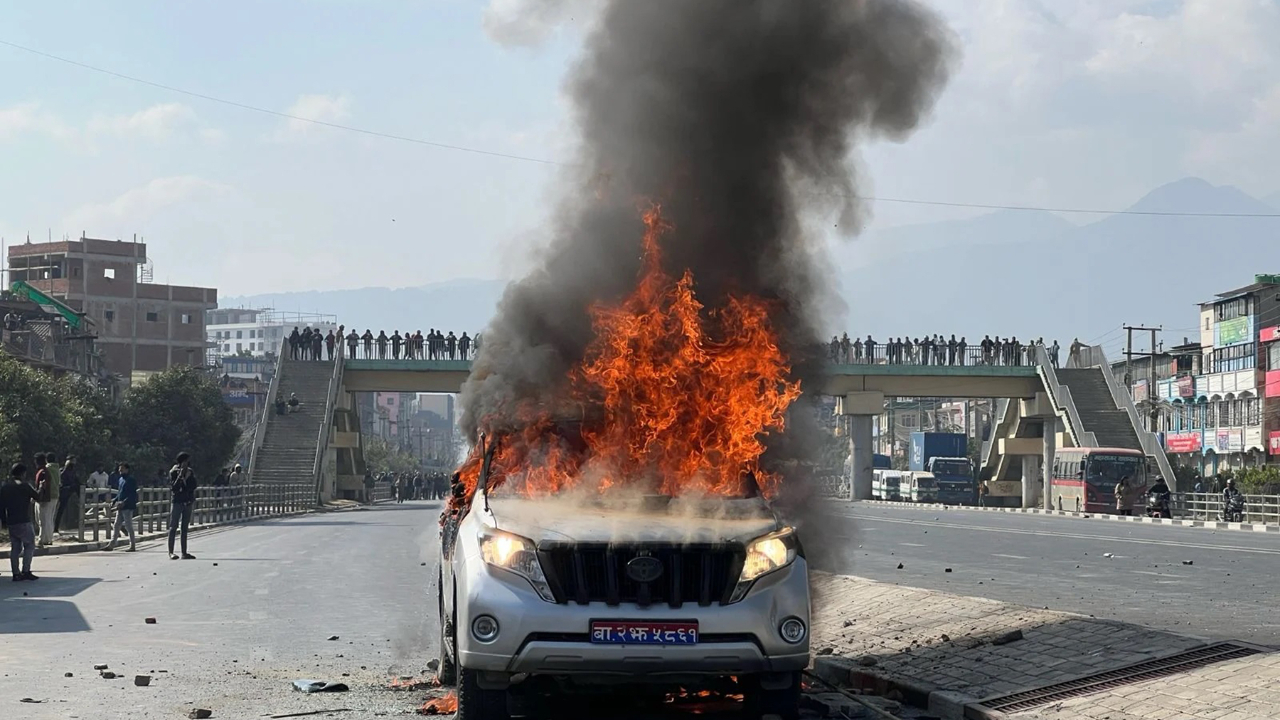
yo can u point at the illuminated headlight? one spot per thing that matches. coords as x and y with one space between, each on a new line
515 555
765 555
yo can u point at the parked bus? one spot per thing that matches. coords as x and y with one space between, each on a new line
920 487
886 485
1085 478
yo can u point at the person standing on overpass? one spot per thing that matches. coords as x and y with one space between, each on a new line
353 341
368 343
464 346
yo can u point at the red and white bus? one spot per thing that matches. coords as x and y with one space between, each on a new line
1085 478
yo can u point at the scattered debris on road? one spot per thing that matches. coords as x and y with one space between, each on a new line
107 675
1108 555
408 682
30 700
200 714
150 621
315 686
1188 562
1006 638
333 637
142 680
100 667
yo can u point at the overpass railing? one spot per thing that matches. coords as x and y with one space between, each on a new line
1060 396
860 353
322 440
213 506
268 407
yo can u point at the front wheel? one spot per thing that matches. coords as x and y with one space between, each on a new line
763 698
447 673
477 703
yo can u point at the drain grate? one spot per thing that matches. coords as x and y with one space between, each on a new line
1140 672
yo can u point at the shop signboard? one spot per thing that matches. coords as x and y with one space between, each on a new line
1275 442
1222 441
1186 386
238 397
1234 331
1186 442
1235 440
1269 334
1273 383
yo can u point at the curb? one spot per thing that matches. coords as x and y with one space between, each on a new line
92 546
842 672
1210 524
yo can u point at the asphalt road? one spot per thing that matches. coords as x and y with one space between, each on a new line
235 627
1227 592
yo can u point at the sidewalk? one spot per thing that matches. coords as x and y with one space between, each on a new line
946 652
64 545
1210 524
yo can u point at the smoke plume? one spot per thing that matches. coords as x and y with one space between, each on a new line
739 117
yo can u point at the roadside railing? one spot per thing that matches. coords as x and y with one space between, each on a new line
322 437
268 407
213 506
1258 509
383 491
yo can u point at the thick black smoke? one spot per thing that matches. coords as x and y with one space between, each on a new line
740 117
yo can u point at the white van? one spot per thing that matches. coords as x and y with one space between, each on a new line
886 484
920 487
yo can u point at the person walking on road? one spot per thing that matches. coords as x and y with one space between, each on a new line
16 497
125 504
182 485
47 479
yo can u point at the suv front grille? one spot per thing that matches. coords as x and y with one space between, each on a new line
586 573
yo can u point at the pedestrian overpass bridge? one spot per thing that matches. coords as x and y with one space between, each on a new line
952 381
1041 408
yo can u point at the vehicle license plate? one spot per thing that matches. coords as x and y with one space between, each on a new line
625 632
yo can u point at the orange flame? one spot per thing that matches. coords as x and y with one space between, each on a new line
684 394
446 705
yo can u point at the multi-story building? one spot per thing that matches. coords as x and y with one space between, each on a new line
141 327
242 331
1216 416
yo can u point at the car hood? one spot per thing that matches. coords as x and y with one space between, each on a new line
551 521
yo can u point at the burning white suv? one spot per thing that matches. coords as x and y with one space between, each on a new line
542 595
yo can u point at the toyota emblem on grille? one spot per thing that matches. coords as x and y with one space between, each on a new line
644 568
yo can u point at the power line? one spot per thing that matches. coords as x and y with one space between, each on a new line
277 113
545 161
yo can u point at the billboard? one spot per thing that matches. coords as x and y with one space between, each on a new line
1185 442
1186 386
1231 332
1275 442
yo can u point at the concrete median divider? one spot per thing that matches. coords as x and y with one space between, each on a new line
1178 522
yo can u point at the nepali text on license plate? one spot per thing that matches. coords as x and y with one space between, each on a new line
621 632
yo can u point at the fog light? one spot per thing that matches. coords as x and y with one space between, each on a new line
792 630
484 629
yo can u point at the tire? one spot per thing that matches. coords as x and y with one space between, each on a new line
759 702
476 703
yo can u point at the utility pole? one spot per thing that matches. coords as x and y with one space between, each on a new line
1129 354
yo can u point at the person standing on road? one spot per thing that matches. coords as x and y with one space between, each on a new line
126 504
47 478
68 493
238 477
983 491
182 485
16 497
1124 503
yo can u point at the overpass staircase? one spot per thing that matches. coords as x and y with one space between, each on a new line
1095 410
292 447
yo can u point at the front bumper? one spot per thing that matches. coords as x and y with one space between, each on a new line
542 638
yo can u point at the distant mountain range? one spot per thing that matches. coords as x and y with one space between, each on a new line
1023 273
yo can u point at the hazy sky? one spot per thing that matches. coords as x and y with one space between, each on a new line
1060 102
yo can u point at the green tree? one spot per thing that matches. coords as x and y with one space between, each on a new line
179 410
31 417
382 456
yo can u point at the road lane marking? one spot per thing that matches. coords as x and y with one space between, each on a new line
1011 557
913 544
261 591
1052 533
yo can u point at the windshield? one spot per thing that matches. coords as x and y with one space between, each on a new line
927 483
1107 470
952 467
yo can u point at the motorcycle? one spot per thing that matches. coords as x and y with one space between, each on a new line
1232 509
1158 505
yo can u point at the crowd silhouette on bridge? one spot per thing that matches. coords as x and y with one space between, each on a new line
938 350
309 344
